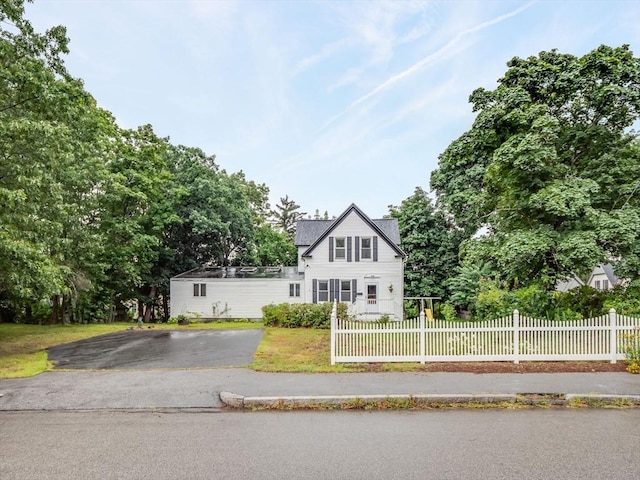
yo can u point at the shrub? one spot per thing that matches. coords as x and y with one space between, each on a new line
631 349
179 320
493 302
448 312
301 315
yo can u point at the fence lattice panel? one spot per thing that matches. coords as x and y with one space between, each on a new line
513 338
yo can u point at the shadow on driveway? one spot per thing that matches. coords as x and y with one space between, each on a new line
147 349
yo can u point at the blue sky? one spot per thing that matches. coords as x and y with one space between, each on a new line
330 103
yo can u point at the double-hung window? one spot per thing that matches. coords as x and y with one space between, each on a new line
345 290
294 289
199 289
365 248
340 248
323 290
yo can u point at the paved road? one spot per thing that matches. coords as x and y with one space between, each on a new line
454 444
148 349
200 388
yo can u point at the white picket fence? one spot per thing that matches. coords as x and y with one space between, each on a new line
515 338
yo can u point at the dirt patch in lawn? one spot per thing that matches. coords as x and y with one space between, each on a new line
508 367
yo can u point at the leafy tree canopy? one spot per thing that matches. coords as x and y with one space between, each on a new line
550 167
431 243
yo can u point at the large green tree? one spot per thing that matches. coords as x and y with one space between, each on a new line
52 137
431 243
550 167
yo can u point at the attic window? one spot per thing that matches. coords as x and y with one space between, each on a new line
340 248
365 248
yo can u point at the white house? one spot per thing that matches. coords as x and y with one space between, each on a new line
353 259
603 278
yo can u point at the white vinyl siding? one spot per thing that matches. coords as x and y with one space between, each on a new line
387 270
231 298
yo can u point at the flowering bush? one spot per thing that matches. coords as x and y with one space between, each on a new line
631 350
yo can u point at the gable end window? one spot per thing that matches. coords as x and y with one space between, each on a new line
340 249
605 284
199 289
365 248
597 284
294 289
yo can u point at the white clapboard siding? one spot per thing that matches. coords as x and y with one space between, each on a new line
230 298
387 271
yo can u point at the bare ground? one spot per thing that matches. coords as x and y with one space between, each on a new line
508 367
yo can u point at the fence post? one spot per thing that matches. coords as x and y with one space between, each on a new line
422 338
516 336
334 322
613 335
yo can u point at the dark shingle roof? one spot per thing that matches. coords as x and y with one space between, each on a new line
387 229
308 231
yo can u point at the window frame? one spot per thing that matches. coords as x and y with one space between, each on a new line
294 290
323 292
345 291
200 290
340 252
369 249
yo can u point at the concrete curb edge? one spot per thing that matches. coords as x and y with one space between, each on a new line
236 401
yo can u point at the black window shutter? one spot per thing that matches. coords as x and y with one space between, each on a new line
314 283
357 249
348 249
332 290
331 249
375 249
354 290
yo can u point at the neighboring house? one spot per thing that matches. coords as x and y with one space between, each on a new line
353 259
603 278
569 284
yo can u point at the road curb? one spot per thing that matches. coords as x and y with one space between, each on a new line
404 401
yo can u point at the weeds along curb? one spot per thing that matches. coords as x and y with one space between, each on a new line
427 401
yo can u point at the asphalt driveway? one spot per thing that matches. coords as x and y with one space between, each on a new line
149 349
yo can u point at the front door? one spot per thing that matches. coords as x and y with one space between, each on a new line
372 297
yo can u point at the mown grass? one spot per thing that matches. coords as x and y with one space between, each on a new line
23 347
297 350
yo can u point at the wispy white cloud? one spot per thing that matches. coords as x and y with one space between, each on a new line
442 52
326 52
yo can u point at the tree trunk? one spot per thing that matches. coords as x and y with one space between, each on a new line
149 306
165 306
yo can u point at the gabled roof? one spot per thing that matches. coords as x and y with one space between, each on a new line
608 271
312 232
569 284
